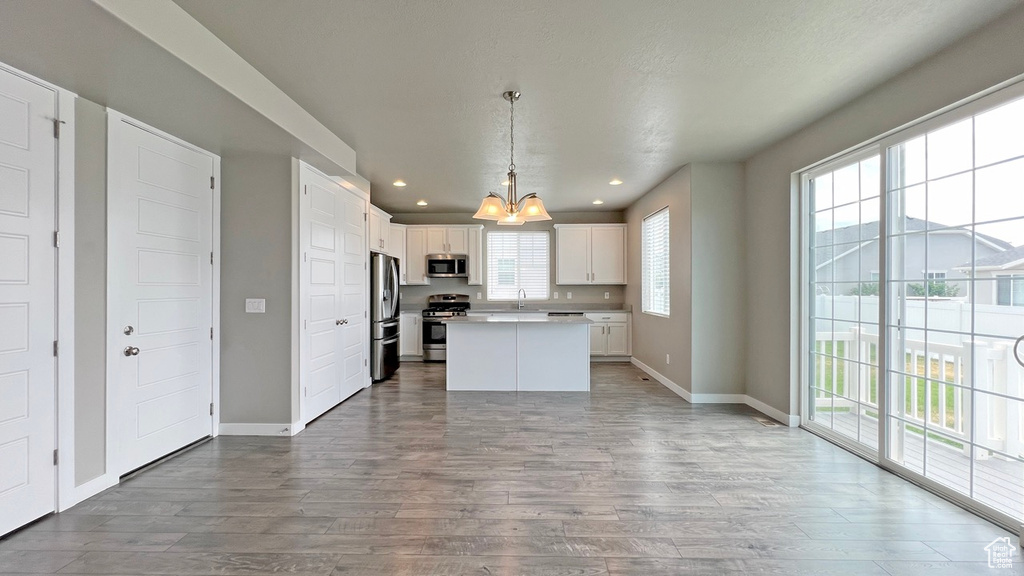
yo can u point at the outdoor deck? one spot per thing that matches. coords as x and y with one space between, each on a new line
998 482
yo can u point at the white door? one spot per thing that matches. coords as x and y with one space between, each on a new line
572 258
608 253
415 256
355 300
618 343
598 340
458 240
333 293
160 293
437 240
27 301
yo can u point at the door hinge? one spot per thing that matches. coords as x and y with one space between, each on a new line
211 408
55 348
305 391
211 258
366 362
56 457
364 216
56 128
212 182
211 332
56 239
305 190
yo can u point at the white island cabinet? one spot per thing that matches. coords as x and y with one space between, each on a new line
512 352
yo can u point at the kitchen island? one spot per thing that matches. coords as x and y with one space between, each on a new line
518 352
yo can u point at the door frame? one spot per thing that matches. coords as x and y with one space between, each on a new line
66 494
114 118
299 418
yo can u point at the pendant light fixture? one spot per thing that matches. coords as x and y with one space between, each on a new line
512 210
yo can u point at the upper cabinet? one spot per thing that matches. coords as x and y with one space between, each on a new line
423 240
396 247
415 268
590 253
447 240
380 230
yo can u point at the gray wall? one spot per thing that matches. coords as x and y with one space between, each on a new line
655 336
718 253
90 290
416 296
984 59
256 262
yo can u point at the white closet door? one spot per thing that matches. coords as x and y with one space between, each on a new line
160 274
27 301
332 293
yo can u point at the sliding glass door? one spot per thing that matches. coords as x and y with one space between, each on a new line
938 259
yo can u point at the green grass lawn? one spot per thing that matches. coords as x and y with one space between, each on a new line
918 386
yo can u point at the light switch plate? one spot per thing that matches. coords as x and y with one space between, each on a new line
607 295
568 295
255 306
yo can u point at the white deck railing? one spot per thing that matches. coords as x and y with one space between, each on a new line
998 419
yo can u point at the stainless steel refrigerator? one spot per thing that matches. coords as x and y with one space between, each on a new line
384 316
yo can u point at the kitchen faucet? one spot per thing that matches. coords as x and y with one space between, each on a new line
521 295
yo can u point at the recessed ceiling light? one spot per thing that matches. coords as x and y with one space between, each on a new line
421 203
598 202
400 183
615 182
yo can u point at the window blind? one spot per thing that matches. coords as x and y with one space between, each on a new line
656 283
518 260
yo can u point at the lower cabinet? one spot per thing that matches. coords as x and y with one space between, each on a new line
410 334
609 334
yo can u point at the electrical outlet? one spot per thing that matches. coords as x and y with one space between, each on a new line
668 359
255 306
479 296
607 295
568 295
556 295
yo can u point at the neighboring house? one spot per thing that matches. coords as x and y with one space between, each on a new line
850 254
1007 270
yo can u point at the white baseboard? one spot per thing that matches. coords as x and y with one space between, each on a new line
87 490
790 420
664 381
257 429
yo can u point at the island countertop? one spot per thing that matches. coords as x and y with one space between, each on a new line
518 318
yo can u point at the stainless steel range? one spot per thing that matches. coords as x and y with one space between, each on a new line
440 306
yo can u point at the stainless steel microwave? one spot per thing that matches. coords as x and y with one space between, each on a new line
447 266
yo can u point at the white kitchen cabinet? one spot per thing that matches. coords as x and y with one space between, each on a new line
380 230
396 247
447 239
410 335
590 253
475 253
609 333
415 269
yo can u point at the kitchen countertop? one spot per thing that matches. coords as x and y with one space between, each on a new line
518 318
492 309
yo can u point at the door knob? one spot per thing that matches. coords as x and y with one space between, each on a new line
1016 351
131 351
128 330
341 322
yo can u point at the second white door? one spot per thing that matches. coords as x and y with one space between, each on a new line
160 293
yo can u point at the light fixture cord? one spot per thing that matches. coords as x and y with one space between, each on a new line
512 135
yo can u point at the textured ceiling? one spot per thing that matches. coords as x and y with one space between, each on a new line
611 89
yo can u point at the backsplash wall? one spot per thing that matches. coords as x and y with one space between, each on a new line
415 297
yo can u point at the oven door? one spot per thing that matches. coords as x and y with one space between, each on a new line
434 334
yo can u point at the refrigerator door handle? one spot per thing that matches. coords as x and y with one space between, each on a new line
394 287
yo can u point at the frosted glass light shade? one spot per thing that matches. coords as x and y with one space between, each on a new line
511 220
533 210
492 208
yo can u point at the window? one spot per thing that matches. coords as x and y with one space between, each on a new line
1010 290
656 264
517 260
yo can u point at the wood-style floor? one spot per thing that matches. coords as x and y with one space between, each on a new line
406 479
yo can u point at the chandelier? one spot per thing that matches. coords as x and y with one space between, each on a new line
512 210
